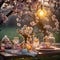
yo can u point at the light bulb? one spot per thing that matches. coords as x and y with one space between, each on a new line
41 13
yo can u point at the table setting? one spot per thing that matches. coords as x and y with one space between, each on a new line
15 48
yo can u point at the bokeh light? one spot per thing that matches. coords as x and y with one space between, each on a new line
41 13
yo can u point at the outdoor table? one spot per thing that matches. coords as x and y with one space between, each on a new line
8 56
41 52
11 55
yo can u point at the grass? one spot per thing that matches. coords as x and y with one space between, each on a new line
10 32
57 37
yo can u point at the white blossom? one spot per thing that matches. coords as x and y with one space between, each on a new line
18 24
32 23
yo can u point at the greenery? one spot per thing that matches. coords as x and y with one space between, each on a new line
57 37
10 32
57 57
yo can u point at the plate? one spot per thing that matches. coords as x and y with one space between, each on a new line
46 49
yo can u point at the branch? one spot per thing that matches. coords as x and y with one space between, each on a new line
1 3
9 13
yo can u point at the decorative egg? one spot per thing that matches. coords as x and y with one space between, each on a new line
29 47
2 48
24 51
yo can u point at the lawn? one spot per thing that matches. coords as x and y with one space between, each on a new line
10 32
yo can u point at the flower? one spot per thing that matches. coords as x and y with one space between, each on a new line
18 24
32 23
17 19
